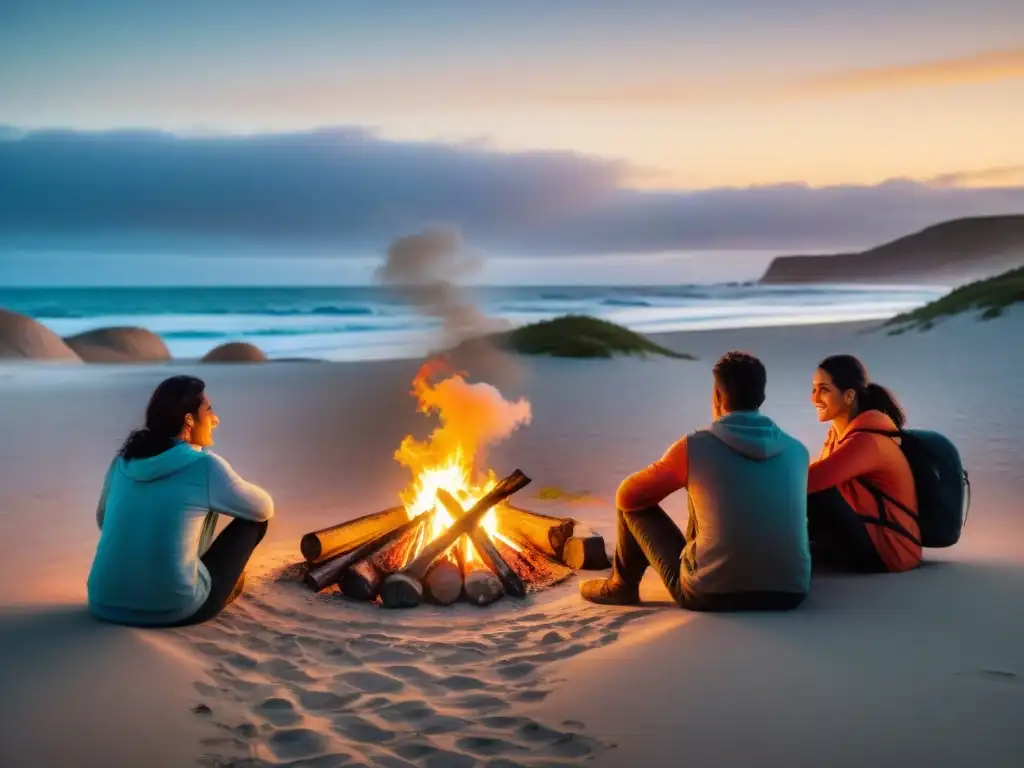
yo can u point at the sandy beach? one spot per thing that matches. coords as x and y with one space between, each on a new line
923 668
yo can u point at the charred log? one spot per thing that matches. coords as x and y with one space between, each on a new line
328 572
329 542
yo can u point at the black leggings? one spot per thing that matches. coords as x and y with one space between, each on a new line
226 560
839 537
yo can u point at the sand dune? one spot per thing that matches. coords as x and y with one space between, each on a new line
914 669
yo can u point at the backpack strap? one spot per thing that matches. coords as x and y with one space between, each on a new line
883 519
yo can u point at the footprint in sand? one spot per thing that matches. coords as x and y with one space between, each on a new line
443 759
406 712
462 656
462 683
531 696
326 701
423 680
487 746
501 722
479 702
438 724
356 728
296 743
515 670
371 682
278 711
282 669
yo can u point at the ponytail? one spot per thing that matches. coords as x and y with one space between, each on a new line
847 372
875 397
171 402
143 443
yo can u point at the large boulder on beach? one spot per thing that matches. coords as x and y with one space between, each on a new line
235 352
22 338
119 345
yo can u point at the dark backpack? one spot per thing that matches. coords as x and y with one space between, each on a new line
943 487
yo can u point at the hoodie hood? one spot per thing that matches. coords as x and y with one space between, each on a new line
163 464
750 434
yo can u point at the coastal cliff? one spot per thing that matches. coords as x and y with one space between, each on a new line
952 252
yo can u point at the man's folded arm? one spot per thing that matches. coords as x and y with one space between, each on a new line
655 482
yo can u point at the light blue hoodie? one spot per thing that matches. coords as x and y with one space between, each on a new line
747 483
157 517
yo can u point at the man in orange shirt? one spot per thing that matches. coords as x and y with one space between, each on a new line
745 546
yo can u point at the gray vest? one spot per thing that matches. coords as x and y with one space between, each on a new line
747 530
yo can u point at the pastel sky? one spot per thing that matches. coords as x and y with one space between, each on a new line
573 128
691 94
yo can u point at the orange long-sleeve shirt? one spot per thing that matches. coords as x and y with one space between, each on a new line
656 481
880 462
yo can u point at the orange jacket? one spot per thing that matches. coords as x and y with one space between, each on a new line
654 482
879 461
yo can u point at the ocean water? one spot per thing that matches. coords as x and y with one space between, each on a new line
365 323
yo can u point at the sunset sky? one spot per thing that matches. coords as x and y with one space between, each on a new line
701 99
692 94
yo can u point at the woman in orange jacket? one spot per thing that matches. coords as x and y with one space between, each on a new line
850 523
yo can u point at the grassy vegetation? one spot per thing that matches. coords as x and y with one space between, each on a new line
554 493
991 297
580 336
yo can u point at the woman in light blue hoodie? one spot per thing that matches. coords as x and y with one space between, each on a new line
156 563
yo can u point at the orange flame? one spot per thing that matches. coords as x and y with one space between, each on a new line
473 416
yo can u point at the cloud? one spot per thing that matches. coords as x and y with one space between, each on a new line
986 67
346 191
335 184
1004 176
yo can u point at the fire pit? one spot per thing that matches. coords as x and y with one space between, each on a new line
452 537
397 560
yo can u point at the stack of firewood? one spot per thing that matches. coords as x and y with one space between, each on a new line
386 555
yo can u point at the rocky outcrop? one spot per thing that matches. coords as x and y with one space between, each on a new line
119 345
235 352
22 338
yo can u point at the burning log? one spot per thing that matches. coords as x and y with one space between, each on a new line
544 533
585 551
443 582
361 580
329 542
405 588
326 573
510 582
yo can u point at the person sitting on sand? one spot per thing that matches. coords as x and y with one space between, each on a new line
155 564
746 544
851 526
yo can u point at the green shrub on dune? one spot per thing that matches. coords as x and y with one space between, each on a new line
991 297
580 336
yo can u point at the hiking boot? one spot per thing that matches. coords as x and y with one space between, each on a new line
610 592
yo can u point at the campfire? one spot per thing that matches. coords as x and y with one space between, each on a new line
455 533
